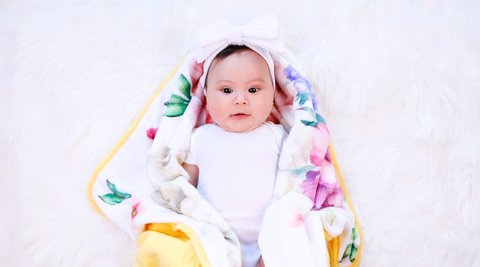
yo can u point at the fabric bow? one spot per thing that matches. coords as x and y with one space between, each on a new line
263 32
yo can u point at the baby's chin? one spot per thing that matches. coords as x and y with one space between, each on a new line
239 128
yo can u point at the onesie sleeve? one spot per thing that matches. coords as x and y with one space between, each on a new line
190 159
283 135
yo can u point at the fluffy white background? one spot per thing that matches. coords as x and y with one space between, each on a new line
398 81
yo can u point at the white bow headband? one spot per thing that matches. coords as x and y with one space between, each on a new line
263 35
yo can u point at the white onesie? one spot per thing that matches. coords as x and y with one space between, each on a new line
237 174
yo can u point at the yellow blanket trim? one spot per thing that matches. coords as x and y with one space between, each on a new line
122 141
334 243
328 237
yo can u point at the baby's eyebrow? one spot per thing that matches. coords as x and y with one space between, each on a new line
252 80
220 81
256 80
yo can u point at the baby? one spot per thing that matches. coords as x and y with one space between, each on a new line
233 163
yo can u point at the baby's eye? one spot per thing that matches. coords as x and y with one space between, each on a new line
226 90
253 90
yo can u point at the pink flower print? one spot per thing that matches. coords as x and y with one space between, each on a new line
137 207
151 133
296 219
335 199
323 191
328 155
328 193
320 144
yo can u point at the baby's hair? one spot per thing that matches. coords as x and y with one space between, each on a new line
228 51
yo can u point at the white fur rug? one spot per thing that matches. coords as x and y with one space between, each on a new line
398 81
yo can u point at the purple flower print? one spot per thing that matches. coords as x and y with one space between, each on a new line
302 85
310 184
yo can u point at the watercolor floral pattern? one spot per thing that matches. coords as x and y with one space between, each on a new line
303 86
115 197
178 104
151 133
296 219
137 207
320 183
352 248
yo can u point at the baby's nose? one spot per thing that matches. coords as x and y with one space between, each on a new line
241 100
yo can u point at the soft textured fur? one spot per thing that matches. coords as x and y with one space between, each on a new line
398 82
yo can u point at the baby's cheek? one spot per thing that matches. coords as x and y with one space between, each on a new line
267 108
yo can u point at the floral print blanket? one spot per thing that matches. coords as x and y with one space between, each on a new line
310 222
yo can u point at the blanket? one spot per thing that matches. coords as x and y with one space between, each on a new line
141 184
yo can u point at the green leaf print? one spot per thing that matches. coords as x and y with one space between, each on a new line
303 98
176 106
355 233
175 99
115 198
301 171
347 251
175 110
353 254
320 119
111 199
184 86
287 82
310 111
116 192
352 248
314 115
310 123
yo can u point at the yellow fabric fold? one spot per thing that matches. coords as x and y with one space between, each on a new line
170 245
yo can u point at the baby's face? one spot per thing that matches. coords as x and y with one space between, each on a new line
239 92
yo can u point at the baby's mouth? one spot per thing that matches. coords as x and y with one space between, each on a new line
239 116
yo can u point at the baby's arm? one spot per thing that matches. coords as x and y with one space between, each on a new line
192 171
